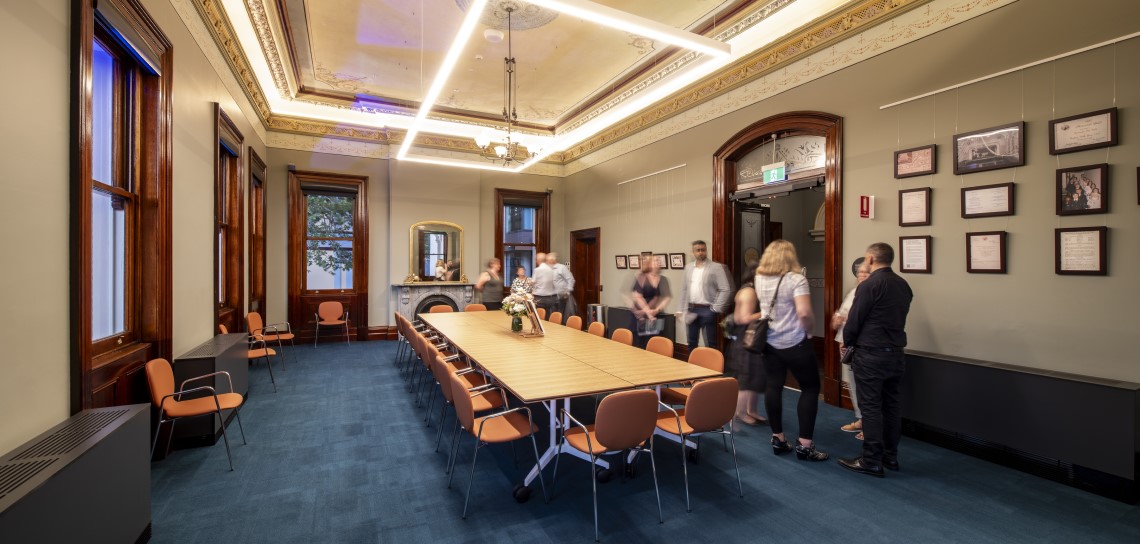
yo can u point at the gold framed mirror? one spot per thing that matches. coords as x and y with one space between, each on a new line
435 252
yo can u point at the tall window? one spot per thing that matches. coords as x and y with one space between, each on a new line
328 240
229 252
522 228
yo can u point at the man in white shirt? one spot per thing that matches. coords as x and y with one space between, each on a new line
545 295
563 283
705 294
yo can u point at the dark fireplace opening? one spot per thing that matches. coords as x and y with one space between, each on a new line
435 300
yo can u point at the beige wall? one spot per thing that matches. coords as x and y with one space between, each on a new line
35 368
1028 317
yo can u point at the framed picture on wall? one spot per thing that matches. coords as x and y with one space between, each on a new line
990 149
662 261
916 161
621 262
677 261
914 207
1082 190
635 262
987 200
914 254
1085 131
985 252
1081 251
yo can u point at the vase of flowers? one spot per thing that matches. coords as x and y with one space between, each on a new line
514 305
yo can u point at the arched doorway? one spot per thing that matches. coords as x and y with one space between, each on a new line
728 210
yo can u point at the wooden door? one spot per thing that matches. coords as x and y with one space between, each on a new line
585 264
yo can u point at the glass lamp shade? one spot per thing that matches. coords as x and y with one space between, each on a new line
501 150
483 139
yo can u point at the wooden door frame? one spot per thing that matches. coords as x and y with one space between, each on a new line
724 248
595 234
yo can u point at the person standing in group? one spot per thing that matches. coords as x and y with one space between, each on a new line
440 270
876 331
490 284
521 283
704 294
649 296
563 285
545 295
780 286
745 366
861 271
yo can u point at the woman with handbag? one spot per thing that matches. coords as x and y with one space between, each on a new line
747 367
650 296
785 302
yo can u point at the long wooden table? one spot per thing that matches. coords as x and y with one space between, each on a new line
564 363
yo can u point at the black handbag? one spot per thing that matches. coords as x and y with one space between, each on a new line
755 336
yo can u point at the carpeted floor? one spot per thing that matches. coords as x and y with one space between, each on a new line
340 454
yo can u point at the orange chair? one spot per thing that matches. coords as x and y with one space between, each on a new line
542 313
703 357
475 308
330 314
660 345
440 309
254 353
624 421
556 317
271 333
624 336
442 371
710 409
598 328
171 407
497 428
574 322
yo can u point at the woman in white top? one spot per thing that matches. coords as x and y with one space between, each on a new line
861 271
440 270
789 345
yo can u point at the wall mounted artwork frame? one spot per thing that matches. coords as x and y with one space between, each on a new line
1082 190
1081 251
635 262
621 261
914 207
677 261
986 252
916 161
987 200
914 254
1090 130
991 148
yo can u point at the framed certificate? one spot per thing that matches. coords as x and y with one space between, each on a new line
985 252
990 149
677 261
1082 190
1085 131
914 207
1081 251
914 254
622 264
635 262
987 200
662 261
917 161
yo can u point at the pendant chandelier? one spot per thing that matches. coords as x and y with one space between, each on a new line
498 145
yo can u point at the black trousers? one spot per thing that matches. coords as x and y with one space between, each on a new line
878 375
550 303
800 360
706 323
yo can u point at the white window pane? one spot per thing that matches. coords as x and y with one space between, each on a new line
108 265
102 118
329 264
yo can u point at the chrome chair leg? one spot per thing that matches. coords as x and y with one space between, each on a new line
451 456
226 439
442 420
594 482
656 489
537 461
685 469
271 378
157 432
316 334
454 453
471 477
170 437
732 438
237 415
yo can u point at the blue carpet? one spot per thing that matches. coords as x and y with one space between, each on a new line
340 454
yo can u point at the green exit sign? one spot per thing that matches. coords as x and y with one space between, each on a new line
774 172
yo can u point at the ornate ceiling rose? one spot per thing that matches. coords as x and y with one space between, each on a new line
525 16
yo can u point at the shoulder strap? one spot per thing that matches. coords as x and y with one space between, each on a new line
775 294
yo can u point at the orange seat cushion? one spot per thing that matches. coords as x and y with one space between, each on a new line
486 401
508 428
276 337
675 395
259 353
576 437
331 322
204 405
666 422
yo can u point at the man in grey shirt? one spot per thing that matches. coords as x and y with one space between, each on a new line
545 295
563 283
705 294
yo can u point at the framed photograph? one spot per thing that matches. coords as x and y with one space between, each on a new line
622 264
914 207
677 261
1082 190
635 262
1081 251
916 161
662 261
1085 131
914 254
990 149
987 200
985 252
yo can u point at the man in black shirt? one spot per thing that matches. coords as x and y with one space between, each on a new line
876 330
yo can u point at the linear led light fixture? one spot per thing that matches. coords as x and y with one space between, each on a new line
459 163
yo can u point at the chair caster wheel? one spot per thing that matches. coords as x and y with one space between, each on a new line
521 493
603 475
694 457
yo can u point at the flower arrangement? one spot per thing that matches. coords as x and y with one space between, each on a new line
515 304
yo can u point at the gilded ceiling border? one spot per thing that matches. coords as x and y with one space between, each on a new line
213 14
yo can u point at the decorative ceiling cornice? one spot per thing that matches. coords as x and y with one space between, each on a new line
223 34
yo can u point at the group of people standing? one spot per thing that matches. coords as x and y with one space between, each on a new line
551 285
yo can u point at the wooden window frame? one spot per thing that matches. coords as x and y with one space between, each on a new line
98 377
511 197
228 220
256 233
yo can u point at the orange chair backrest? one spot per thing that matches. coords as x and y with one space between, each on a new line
626 419
442 375
542 313
708 358
440 309
253 322
556 317
464 410
330 310
598 328
711 404
475 308
660 345
574 322
160 378
623 335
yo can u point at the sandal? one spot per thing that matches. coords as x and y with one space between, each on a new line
859 436
748 420
759 420
853 427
